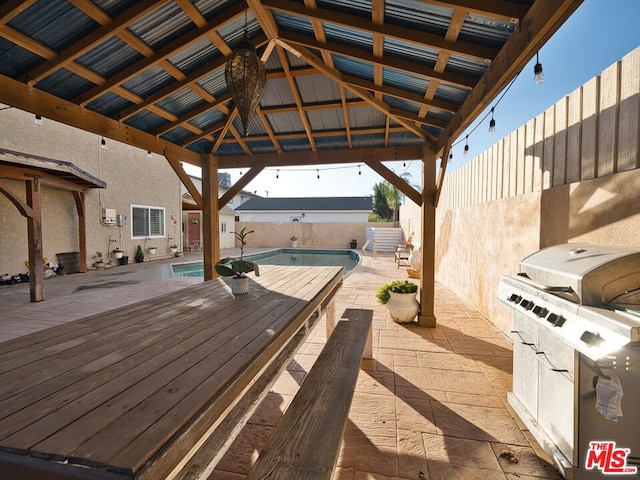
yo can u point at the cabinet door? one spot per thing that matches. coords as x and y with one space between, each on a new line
556 398
525 363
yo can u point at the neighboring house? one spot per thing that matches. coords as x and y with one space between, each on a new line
140 204
300 209
192 216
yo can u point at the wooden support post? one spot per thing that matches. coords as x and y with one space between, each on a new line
34 235
82 231
330 315
427 277
210 216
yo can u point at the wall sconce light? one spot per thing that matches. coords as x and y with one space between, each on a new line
38 120
194 221
103 144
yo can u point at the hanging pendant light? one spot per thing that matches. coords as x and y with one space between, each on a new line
246 78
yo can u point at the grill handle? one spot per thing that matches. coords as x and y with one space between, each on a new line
540 286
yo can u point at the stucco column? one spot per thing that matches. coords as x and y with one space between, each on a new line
210 216
427 276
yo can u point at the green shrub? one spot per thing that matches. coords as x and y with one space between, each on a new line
397 286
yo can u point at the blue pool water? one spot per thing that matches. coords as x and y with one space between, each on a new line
284 256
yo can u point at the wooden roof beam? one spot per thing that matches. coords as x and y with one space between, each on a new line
499 9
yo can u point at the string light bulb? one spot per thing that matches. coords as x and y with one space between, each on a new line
318 174
538 75
359 171
149 154
466 147
450 157
103 144
492 123
38 120
277 174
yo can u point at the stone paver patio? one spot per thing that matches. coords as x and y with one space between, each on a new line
430 405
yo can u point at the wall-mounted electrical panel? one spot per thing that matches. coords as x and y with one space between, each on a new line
121 219
109 216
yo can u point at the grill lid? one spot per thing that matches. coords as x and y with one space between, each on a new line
584 273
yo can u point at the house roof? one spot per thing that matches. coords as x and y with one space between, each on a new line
307 204
60 169
369 78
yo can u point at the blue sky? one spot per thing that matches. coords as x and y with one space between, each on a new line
598 34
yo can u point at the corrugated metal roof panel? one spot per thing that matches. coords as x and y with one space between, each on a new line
405 81
16 61
365 117
349 36
292 22
397 139
317 88
354 7
409 51
208 118
405 105
255 127
201 146
419 15
64 84
48 23
149 81
486 30
195 56
146 120
233 32
214 83
277 92
295 144
109 57
467 66
109 104
162 25
209 8
177 135
371 140
451 93
181 102
327 143
261 147
326 119
227 149
295 62
353 67
285 122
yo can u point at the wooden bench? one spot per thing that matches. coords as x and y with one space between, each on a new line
306 442
142 391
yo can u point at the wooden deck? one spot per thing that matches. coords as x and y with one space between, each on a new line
131 392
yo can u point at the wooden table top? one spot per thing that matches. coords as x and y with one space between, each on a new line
112 390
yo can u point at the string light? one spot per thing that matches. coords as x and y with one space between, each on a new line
277 174
466 147
359 172
492 123
103 144
38 120
450 157
149 154
318 174
538 76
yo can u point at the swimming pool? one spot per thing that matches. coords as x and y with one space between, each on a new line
284 256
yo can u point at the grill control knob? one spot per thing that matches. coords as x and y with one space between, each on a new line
527 304
591 338
540 311
552 318
515 298
559 321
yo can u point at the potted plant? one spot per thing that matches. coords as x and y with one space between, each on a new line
400 298
98 261
294 241
353 243
152 250
173 248
139 257
117 253
236 269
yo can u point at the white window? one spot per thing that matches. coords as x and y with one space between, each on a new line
223 227
147 222
243 199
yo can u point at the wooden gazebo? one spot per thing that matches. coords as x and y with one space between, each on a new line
370 81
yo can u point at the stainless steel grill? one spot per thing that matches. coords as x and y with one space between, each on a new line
577 325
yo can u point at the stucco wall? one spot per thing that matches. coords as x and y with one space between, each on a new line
310 234
131 177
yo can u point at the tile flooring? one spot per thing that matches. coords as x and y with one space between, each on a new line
431 404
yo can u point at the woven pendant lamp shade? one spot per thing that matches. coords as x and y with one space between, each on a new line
246 78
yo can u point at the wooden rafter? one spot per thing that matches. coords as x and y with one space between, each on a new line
310 58
404 34
162 54
394 180
242 182
345 114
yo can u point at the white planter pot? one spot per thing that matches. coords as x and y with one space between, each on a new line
239 285
294 244
403 307
118 254
173 250
152 251
415 260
